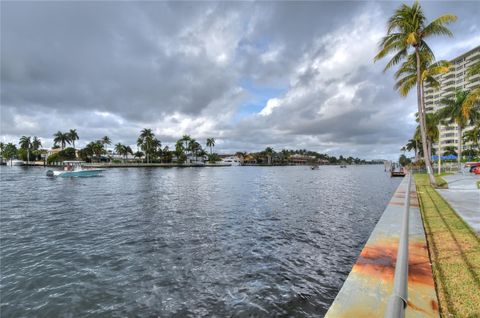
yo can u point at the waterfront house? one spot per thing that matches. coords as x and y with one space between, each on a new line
298 159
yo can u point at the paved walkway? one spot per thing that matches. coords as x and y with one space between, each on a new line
464 197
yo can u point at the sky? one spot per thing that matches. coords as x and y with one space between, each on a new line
296 75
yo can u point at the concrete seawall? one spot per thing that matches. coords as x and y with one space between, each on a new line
369 285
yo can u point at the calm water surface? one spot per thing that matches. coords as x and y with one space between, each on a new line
193 242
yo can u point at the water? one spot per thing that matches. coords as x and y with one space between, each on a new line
193 242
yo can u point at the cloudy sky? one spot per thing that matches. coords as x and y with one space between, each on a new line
250 74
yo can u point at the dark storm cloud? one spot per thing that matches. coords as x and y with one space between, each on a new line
113 68
86 56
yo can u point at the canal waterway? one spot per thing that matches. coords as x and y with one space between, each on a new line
192 242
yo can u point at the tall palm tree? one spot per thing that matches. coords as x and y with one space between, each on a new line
2 147
210 143
61 138
119 148
106 141
407 30
455 112
73 135
26 143
145 141
194 147
186 139
36 143
179 150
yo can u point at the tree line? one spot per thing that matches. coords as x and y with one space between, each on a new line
149 148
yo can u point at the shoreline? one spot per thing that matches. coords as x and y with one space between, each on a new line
177 165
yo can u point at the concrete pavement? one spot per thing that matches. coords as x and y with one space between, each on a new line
464 197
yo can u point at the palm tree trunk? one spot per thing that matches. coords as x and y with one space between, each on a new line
28 156
439 157
421 115
425 123
459 158
429 147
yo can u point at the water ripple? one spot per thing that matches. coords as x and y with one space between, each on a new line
223 242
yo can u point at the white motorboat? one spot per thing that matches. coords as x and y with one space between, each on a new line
74 169
233 161
15 162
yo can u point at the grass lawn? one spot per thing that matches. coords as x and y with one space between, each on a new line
454 251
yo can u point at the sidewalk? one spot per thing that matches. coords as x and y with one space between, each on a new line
464 197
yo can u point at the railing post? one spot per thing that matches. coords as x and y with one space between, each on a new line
398 300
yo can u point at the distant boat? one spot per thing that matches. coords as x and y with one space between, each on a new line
315 167
74 169
15 162
343 166
234 161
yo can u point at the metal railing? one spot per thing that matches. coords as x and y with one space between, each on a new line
398 300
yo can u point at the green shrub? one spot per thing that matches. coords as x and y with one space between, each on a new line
53 158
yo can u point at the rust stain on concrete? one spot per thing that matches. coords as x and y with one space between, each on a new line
415 205
379 261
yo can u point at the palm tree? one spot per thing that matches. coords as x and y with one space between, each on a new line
120 149
73 135
179 150
26 143
406 75
413 144
210 143
36 143
106 141
431 124
473 98
61 138
450 150
186 139
138 154
145 141
473 135
407 29
194 147
455 112
2 146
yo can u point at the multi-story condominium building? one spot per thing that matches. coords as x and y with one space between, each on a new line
455 79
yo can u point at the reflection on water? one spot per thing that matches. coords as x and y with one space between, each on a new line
234 241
